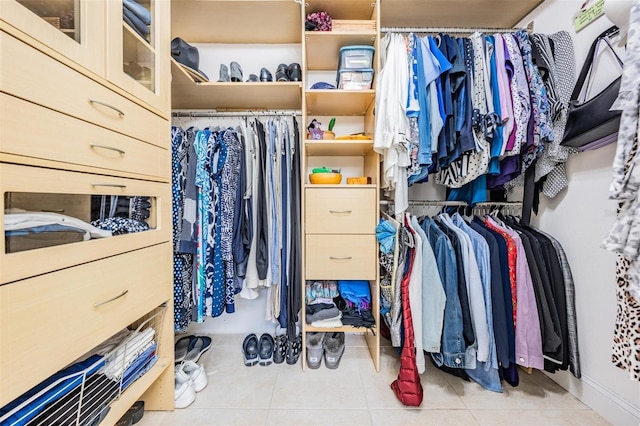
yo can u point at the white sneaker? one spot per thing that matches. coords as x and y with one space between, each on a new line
185 392
195 373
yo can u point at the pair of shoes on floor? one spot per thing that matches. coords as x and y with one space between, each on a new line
291 72
329 346
191 348
286 348
190 378
133 415
258 350
231 73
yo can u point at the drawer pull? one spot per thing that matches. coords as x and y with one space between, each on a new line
340 211
120 113
119 151
97 304
110 185
340 257
53 210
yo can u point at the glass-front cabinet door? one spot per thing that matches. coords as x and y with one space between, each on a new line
73 28
138 46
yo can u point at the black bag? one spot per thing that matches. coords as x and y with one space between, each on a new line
591 124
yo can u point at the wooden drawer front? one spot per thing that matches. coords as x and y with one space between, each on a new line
31 130
45 81
25 179
340 211
332 257
50 320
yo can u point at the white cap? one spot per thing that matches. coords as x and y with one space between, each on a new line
618 12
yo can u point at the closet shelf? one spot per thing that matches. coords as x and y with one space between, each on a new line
339 148
323 47
455 13
236 21
341 9
137 37
339 102
343 329
186 94
135 391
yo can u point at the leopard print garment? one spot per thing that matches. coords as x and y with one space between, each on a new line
626 337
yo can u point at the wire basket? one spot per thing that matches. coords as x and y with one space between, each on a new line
81 393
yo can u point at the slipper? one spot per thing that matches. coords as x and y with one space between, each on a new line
267 346
333 349
182 347
201 345
315 351
250 350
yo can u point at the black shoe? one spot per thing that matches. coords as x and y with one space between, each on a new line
293 350
267 346
282 73
281 345
250 350
265 75
295 72
253 78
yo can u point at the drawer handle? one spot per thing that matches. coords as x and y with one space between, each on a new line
340 257
120 113
97 304
119 151
340 211
110 185
53 210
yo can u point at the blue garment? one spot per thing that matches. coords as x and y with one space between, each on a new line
41 229
497 136
139 366
413 104
215 262
386 236
355 291
274 249
472 192
428 70
285 177
139 10
59 385
453 347
203 183
135 23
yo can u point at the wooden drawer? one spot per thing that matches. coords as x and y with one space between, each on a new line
45 81
349 257
48 321
33 131
340 211
25 179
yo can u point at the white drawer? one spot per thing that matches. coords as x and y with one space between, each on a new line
25 180
48 321
36 132
45 81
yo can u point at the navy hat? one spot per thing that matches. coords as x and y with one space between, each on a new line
321 85
188 56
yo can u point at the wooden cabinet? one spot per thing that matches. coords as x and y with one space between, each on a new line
75 127
339 220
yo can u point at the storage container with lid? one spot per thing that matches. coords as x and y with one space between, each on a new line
355 79
356 57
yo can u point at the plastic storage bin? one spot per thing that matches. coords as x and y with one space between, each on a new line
356 57
355 79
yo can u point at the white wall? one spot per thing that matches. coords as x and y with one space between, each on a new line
579 218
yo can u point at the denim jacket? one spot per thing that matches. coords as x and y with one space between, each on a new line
452 349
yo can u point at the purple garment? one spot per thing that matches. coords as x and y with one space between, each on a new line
508 66
528 334
510 168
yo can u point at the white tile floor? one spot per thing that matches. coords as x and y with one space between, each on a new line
355 394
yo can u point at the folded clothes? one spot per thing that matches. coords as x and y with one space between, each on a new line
138 10
320 289
323 314
135 22
356 292
315 307
16 219
332 323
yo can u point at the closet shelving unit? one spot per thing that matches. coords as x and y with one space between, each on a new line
242 22
339 220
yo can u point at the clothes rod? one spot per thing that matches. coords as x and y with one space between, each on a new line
445 203
212 114
436 30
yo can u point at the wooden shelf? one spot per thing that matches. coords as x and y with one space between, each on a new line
340 185
323 47
343 9
236 21
135 391
186 94
455 13
344 329
340 148
339 102
132 33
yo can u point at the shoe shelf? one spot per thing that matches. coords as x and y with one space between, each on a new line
455 13
344 329
130 32
187 94
338 148
339 102
237 21
323 47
